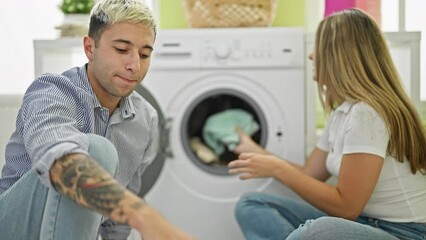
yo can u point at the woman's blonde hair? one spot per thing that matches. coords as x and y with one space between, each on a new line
353 63
108 12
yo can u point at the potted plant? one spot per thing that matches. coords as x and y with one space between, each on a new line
77 6
76 17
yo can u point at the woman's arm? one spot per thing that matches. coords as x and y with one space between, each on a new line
358 176
315 165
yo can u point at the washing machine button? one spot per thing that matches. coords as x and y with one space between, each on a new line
222 51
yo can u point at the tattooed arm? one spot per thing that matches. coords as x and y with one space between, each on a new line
82 179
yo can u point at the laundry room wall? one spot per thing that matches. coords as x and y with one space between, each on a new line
289 13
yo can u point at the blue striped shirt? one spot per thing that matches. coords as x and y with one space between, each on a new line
57 112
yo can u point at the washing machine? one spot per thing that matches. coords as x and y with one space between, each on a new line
196 73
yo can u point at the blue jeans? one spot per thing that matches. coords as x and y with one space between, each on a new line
30 210
264 216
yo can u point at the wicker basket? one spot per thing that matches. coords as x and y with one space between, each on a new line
230 13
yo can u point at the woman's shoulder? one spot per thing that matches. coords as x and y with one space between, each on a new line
363 108
365 113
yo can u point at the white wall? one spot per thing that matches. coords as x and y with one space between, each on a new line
22 21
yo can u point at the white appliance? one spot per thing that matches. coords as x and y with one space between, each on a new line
198 72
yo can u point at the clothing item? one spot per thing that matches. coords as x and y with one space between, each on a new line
204 153
266 216
399 196
31 210
57 113
219 130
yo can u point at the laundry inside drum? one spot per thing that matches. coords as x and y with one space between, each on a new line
209 131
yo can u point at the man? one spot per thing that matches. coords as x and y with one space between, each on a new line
75 131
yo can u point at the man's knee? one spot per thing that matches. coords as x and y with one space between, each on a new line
104 152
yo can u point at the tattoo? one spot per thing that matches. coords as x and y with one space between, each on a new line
83 180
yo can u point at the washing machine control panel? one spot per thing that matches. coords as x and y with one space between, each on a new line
259 52
229 48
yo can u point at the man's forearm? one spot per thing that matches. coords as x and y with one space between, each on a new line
83 180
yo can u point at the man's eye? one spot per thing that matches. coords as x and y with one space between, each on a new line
120 50
144 56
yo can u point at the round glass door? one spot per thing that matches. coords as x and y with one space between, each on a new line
196 117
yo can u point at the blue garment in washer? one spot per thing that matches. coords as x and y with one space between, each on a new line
219 130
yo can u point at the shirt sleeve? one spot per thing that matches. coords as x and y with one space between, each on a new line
366 132
50 129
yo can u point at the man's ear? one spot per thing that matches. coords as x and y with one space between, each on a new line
89 47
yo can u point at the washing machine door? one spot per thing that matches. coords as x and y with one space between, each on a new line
194 103
152 172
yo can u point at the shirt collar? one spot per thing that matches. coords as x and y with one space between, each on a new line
84 83
127 108
345 107
82 75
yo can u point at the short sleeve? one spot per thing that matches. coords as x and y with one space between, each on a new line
365 132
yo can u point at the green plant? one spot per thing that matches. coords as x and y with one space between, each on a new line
76 6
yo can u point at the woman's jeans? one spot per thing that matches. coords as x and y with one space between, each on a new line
29 210
264 216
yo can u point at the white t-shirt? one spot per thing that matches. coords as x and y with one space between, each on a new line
399 195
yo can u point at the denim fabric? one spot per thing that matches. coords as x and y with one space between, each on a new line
264 216
404 231
30 210
261 216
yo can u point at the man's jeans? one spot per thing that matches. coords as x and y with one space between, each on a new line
264 216
30 210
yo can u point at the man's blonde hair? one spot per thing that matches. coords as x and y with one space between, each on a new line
108 12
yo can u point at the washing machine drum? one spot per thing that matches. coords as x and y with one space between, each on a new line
221 108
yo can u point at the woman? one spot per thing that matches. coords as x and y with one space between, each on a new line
373 143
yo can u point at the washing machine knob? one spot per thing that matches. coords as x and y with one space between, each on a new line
222 51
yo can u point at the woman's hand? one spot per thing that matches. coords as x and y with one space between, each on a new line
247 144
253 165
